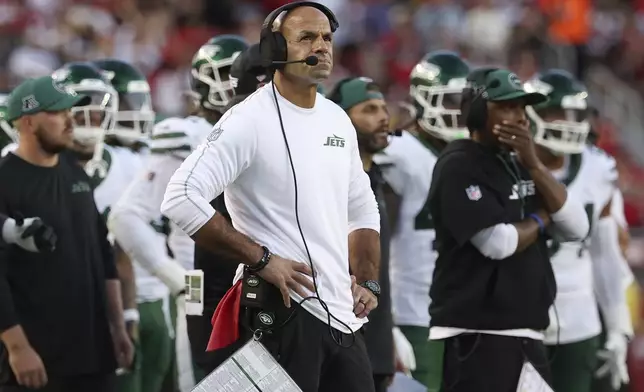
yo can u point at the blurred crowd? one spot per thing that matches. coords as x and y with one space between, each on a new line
380 38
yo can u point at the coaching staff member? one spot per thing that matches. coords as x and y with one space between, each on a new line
61 319
363 101
298 197
493 283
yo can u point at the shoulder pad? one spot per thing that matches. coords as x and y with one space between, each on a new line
171 135
604 164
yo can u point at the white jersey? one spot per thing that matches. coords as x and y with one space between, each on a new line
617 209
172 141
122 166
591 178
407 165
246 156
176 138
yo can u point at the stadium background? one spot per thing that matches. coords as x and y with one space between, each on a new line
599 40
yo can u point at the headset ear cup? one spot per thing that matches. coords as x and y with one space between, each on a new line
466 108
280 48
266 50
474 109
479 110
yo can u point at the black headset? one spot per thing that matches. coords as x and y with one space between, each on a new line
474 100
272 44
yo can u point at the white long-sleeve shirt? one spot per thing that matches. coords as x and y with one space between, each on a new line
172 140
246 155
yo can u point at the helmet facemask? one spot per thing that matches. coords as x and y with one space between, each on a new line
135 117
562 129
9 130
441 115
92 122
216 75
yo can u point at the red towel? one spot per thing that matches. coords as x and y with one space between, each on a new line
225 321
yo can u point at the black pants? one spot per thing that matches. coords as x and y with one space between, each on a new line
382 382
199 329
89 383
305 348
489 363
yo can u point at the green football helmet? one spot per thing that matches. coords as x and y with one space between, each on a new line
8 134
94 121
436 87
561 123
210 75
135 117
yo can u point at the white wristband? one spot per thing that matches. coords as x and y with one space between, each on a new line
130 315
9 231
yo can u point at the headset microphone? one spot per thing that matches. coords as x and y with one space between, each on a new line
310 61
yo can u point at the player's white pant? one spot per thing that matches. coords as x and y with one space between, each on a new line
184 357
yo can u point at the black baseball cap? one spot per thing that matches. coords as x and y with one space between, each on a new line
249 72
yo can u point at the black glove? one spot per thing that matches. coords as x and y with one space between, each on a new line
31 234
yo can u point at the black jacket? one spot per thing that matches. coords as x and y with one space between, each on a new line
378 331
473 188
58 298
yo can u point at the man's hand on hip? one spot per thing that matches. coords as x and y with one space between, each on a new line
364 301
288 274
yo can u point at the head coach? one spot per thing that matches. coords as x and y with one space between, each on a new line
301 205
494 205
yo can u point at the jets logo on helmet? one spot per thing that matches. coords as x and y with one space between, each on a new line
64 89
134 117
109 75
537 86
561 123
210 73
436 87
209 51
93 121
60 74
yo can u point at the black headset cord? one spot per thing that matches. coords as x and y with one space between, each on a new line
336 340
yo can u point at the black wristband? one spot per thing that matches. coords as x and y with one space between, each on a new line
262 263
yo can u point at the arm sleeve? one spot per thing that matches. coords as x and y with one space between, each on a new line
227 152
363 208
571 222
462 199
140 205
607 271
109 263
617 209
497 242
